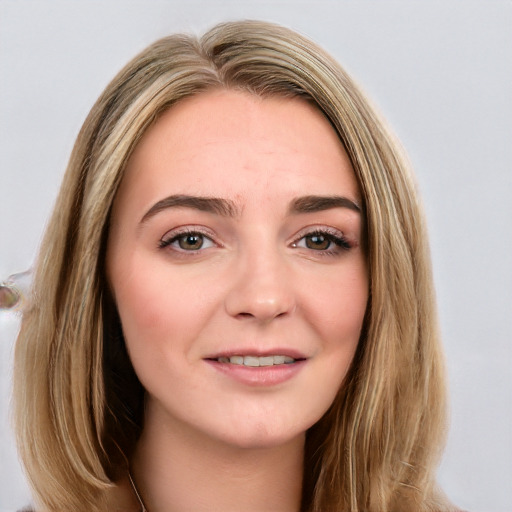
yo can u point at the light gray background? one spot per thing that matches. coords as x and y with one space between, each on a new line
440 71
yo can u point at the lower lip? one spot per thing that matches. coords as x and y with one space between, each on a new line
258 375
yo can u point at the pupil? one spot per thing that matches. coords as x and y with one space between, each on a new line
191 242
318 242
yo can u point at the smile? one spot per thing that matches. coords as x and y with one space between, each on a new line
258 370
256 361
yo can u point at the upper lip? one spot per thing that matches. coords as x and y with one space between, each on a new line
259 352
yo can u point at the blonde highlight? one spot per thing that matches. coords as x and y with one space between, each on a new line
377 447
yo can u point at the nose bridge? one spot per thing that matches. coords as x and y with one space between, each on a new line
261 288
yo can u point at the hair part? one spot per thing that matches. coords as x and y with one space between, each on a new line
377 446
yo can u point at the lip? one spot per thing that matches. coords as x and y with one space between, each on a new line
260 376
248 351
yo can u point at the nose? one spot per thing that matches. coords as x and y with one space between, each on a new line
262 288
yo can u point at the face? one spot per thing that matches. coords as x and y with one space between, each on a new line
235 260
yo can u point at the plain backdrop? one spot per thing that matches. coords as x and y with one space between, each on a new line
441 73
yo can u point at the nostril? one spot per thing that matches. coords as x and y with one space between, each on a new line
245 315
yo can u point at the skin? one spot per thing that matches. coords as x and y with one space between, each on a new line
262 282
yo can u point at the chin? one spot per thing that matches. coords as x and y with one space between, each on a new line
261 436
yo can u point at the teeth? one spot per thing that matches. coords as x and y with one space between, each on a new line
255 361
251 361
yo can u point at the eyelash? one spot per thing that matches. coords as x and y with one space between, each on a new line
167 242
332 236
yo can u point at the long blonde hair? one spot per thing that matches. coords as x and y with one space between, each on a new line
78 403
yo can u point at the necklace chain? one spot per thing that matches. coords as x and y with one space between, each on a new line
135 490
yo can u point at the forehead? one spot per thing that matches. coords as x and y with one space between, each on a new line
236 144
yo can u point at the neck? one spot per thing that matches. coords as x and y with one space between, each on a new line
177 469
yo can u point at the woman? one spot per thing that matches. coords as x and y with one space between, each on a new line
233 301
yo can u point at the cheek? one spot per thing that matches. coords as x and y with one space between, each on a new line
336 313
159 309
146 305
339 320
154 324
143 308
340 306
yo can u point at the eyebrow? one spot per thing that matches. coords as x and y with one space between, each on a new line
223 207
227 208
309 204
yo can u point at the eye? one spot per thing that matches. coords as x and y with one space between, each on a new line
319 242
323 241
186 241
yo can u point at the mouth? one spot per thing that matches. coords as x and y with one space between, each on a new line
254 361
259 369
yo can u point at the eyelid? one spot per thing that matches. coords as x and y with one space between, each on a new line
311 230
333 234
173 234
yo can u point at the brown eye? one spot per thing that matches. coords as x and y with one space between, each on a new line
317 241
191 241
186 241
324 242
